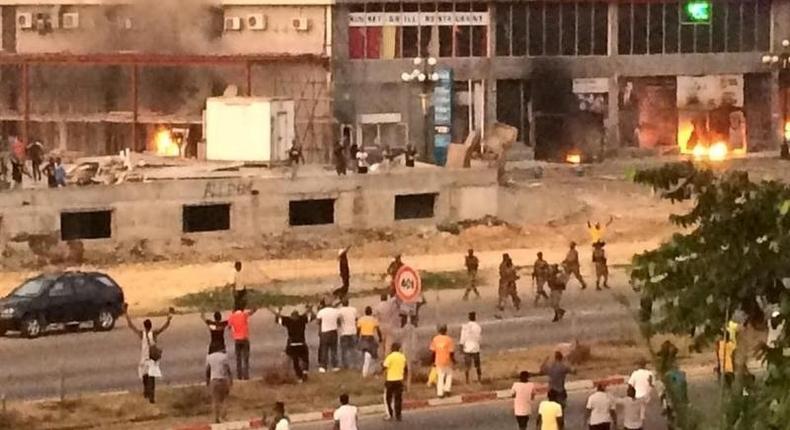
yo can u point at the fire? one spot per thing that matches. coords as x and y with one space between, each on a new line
716 152
573 158
787 131
164 143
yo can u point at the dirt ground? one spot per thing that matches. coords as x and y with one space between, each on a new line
540 212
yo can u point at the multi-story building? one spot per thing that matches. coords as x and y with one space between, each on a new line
98 76
639 68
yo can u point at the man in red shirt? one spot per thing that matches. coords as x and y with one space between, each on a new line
240 327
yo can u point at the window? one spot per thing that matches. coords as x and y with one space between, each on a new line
656 27
407 30
86 225
414 206
539 28
203 218
311 212
512 105
61 289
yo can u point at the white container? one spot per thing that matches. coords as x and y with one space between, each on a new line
248 128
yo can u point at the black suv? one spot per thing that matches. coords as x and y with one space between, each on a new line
67 298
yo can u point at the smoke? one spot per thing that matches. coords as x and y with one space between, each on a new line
175 26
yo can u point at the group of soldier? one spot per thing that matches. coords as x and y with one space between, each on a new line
544 274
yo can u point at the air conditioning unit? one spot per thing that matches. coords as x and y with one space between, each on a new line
232 23
70 21
301 24
126 24
256 22
24 20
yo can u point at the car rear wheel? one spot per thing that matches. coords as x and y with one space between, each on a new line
32 326
105 320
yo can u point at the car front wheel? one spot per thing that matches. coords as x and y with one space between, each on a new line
32 326
105 321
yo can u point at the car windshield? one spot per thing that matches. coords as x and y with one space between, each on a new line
32 287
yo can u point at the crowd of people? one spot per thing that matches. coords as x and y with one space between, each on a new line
372 343
19 156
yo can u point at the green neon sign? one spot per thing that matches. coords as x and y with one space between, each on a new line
697 12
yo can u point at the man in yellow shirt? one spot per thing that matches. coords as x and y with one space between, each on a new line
725 349
395 373
443 349
597 230
550 414
367 329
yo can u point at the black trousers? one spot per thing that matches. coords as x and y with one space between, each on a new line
602 426
327 349
393 395
300 356
243 359
149 388
523 421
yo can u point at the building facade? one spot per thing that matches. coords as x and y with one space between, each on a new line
98 76
634 69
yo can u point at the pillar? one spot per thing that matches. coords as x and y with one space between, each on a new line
63 136
613 110
777 112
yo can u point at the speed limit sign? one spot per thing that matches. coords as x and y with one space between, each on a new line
408 286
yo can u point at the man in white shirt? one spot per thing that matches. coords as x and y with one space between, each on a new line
470 342
345 416
775 328
601 408
328 320
642 381
280 420
348 334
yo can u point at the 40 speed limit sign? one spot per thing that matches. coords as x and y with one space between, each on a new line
408 286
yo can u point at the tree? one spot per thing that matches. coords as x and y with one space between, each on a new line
732 255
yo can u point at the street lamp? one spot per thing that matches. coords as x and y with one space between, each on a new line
780 61
423 74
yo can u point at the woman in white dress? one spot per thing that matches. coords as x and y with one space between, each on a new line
148 369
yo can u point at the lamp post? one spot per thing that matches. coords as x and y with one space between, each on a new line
423 74
780 61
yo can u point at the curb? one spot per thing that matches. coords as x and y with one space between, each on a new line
467 398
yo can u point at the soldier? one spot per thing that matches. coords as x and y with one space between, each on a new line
557 280
472 264
601 269
507 283
295 157
540 276
392 270
571 265
410 154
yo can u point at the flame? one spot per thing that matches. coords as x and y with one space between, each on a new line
787 131
716 152
573 158
164 143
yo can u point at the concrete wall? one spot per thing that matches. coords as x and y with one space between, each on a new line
153 210
280 36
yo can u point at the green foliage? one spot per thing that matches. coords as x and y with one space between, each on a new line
732 256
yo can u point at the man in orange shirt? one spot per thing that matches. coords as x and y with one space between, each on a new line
240 327
443 350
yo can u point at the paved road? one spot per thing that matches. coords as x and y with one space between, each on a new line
498 415
108 361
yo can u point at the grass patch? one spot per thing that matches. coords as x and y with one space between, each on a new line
250 398
221 298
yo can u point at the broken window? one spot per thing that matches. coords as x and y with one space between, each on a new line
86 225
311 212
204 218
414 206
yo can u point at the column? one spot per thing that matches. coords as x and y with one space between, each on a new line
63 136
777 112
613 114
